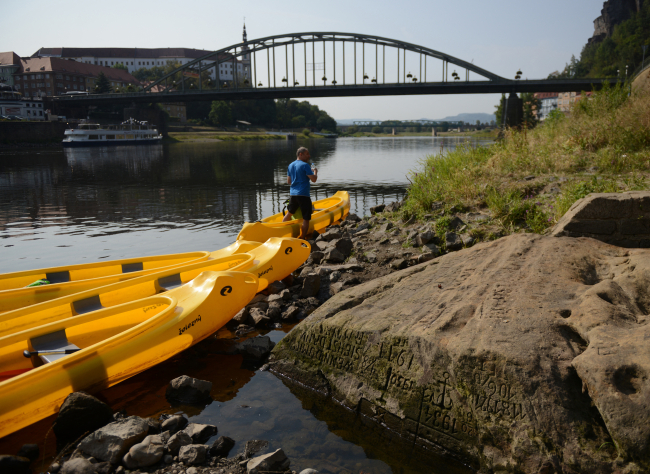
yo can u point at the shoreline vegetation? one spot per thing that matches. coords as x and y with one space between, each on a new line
528 179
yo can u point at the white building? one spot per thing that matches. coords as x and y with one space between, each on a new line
148 58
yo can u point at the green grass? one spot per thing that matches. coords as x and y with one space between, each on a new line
603 146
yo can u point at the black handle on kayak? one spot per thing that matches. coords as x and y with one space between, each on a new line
29 354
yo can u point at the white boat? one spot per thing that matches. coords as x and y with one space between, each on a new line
129 132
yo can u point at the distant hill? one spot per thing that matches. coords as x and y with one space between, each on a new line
467 118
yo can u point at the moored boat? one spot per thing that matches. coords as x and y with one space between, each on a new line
99 349
129 132
326 212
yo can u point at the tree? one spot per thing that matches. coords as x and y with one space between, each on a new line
377 129
500 109
325 122
298 122
102 84
221 113
530 105
120 66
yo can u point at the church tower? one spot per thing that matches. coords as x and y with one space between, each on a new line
245 57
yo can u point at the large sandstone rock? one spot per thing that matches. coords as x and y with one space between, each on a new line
526 354
111 442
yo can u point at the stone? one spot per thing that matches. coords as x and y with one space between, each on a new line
346 267
467 239
192 470
29 451
431 248
200 433
221 447
73 466
343 245
437 205
276 298
378 208
456 223
424 238
331 235
315 257
275 288
242 316
256 347
193 454
103 468
174 424
539 337
16 464
177 441
371 257
259 317
309 471
276 461
274 312
393 206
168 458
322 272
80 413
352 217
145 454
259 298
310 285
363 226
398 264
286 295
384 241
385 227
291 313
322 246
409 220
335 276
453 241
111 442
362 233
260 305
188 390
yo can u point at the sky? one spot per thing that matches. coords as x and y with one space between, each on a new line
500 36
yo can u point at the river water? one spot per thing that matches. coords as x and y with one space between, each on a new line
66 206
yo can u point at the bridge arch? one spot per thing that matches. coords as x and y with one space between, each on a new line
231 54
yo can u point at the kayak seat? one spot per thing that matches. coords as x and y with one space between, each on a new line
58 277
87 305
170 282
55 341
132 267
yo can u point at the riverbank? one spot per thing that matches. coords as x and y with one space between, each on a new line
478 134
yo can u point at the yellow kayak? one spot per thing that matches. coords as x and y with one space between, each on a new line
20 296
329 210
271 261
110 345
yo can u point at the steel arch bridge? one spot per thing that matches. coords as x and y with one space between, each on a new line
264 60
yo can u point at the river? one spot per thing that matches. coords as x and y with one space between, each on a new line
66 206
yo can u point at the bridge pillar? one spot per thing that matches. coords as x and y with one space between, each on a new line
514 110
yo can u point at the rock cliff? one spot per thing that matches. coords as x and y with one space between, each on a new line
613 13
526 354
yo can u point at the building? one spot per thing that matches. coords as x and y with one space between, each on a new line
13 104
40 77
548 104
9 64
148 58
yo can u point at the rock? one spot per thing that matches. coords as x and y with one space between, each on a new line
335 276
188 390
74 466
315 257
432 248
306 270
200 433
29 451
331 235
310 285
254 446
337 287
16 464
276 461
437 205
309 471
168 458
221 447
274 312
424 238
259 317
322 245
384 241
352 217
192 470
467 239
571 365
291 313
363 226
425 257
111 442
410 220
256 347
144 454
453 241
371 257
275 288
259 298
398 264
362 233
378 208
286 295
276 298
393 206
385 227
80 413
456 223
242 316
322 272
261 305
154 426
193 454
177 441
346 267
174 424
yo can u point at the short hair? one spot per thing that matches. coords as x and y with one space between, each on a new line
302 149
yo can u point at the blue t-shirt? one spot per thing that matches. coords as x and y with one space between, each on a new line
298 172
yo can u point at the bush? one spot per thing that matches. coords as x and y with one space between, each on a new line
376 130
306 132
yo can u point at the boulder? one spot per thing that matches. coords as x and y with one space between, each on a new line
335 276
352 217
276 298
398 264
432 248
193 454
310 285
111 442
315 257
456 223
80 413
274 312
259 317
343 245
15 464
221 447
276 461
73 466
275 288
259 298
286 295
256 347
379 208
385 227
145 454
174 424
424 238
467 239
334 256
177 441
200 433
322 245
331 235
29 451
453 241
188 390
242 316
292 312
524 354
437 205
371 257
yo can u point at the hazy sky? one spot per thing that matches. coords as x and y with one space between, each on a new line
500 36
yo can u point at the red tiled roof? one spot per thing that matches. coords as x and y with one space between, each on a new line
122 52
9 58
66 65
